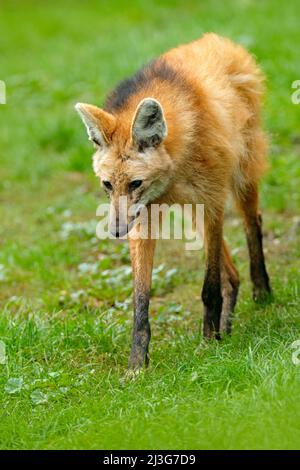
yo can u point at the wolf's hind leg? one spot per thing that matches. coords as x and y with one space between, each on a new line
248 206
230 287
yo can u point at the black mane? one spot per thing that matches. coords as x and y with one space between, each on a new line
156 69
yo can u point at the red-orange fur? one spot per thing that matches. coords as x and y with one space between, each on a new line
215 145
216 141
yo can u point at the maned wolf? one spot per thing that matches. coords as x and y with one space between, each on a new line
186 129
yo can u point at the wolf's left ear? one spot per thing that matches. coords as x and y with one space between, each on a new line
99 124
149 127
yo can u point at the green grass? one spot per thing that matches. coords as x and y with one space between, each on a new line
65 296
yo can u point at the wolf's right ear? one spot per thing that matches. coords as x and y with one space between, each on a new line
149 127
99 124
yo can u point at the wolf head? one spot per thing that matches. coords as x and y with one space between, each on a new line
130 159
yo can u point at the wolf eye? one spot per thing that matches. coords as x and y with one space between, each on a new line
108 185
135 184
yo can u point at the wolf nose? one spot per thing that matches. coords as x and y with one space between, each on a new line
117 234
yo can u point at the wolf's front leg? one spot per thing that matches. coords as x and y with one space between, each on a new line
141 252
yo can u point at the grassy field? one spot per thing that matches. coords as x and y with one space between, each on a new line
65 296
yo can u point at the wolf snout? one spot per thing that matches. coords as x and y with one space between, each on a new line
120 229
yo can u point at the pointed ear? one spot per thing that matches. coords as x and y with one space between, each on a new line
149 127
99 124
